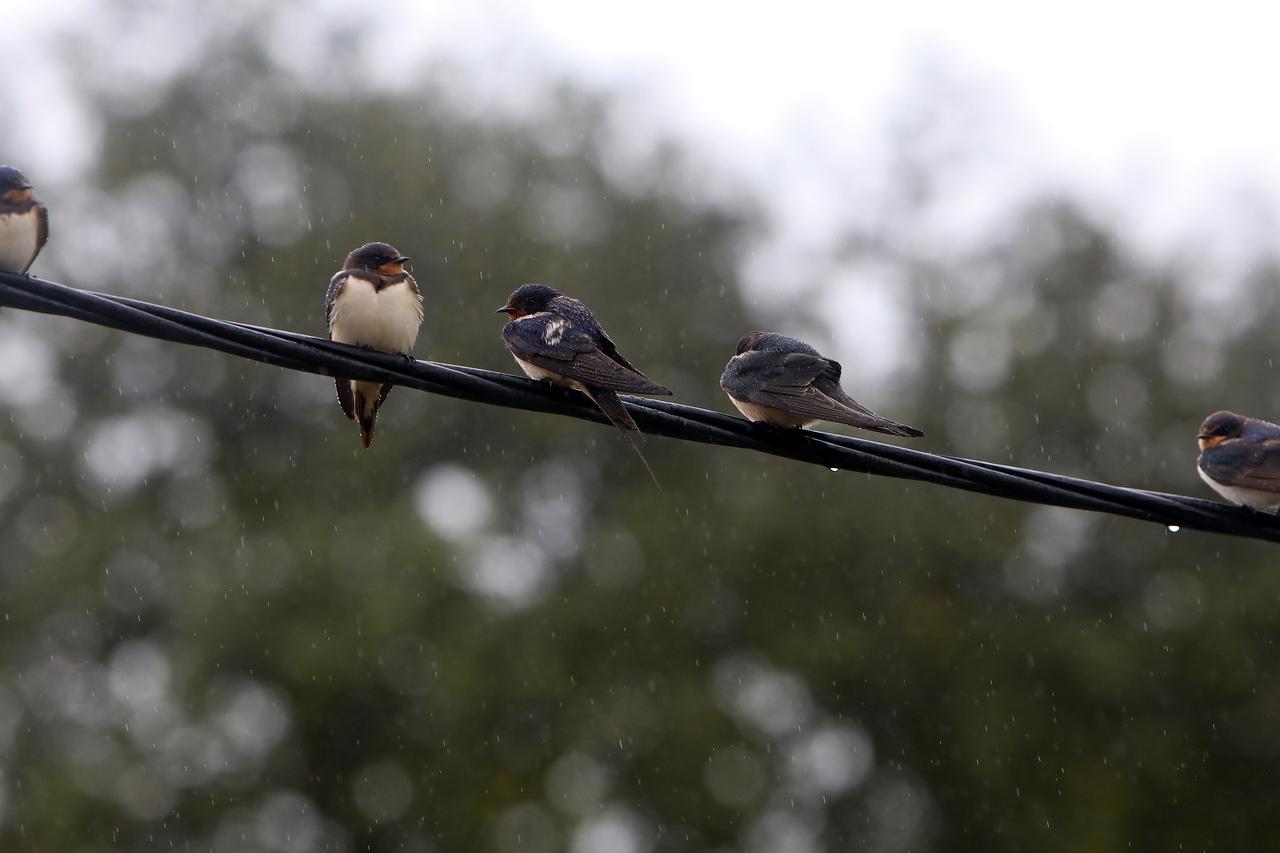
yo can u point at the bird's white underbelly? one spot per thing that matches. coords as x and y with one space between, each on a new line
535 372
771 415
386 320
1253 498
18 242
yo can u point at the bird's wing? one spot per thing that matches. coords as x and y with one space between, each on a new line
762 377
555 343
42 230
336 284
584 319
828 382
802 384
609 348
1249 465
413 286
343 386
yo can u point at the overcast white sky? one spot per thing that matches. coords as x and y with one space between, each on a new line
1163 113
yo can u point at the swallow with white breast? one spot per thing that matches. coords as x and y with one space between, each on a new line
24 222
557 338
373 303
787 383
1240 460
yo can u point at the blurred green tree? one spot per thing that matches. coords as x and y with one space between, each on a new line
227 627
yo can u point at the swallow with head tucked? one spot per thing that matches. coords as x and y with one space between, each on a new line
373 303
24 222
557 338
1240 460
787 383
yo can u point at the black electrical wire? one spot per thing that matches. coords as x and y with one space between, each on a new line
659 417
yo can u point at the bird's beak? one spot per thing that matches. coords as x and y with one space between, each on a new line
505 309
1203 436
402 260
24 186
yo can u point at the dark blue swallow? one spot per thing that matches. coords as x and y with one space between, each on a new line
557 338
372 302
787 383
1240 459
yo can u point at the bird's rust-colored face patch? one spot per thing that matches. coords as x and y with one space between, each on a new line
17 196
516 308
528 299
381 258
1219 427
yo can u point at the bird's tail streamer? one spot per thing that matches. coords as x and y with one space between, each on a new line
617 413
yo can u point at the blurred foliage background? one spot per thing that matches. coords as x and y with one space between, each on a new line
226 627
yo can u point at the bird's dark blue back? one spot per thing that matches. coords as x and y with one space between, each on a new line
1260 430
773 342
577 313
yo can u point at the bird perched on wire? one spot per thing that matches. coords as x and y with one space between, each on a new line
1240 459
24 222
373 303
787 383
557 338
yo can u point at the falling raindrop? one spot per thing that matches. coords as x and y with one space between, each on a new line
1173 528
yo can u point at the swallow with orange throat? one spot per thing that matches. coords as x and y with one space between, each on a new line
1240 460
557 338
24 222
373 303
781 381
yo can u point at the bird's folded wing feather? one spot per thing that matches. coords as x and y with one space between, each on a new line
782 380
754 376
1250 466
342 385
42 226
331 296
413 285
554 343
802 384
609 348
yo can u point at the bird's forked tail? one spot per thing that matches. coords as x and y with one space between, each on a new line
617 413
368 397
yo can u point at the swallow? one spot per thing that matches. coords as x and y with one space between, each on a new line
557 338
1240 460
787 383
373 303
24 222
